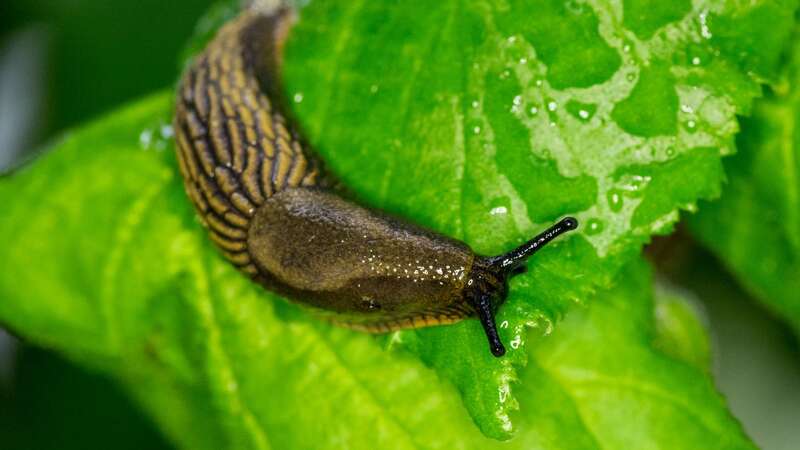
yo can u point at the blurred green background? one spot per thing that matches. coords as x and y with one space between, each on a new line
63 62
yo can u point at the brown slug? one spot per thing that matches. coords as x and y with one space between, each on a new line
276 215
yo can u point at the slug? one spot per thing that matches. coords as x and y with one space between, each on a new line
277 215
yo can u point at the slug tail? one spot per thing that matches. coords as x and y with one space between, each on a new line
236 147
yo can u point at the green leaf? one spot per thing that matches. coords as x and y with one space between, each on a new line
107 263
484 121
602 375
489 119
681 326
755 228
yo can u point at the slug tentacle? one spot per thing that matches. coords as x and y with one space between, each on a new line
483 308
509 262
276 215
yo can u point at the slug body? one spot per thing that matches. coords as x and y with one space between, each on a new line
275 214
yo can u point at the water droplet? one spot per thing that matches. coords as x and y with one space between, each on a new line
374 88
534 110
476 130
581 111
614 197
504 391
516 342
687 109
523 61
705 31
146 138
631 76
298 97
475 104
552 106
632 183
539 82
594 226
548 326
691 126
670 151
498 210
626 48
167 132
516 103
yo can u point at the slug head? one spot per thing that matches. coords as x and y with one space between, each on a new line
487 286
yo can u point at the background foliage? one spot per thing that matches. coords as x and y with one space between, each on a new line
623 127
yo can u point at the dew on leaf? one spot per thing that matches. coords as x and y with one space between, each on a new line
146 138
156 138
516 342
167 132
614 197
594 226
516 103
697 55
581 111
503 393
498 210
705 31
632 183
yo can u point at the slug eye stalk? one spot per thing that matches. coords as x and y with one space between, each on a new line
509 262
490 279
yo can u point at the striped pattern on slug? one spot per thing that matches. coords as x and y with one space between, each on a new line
235 148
